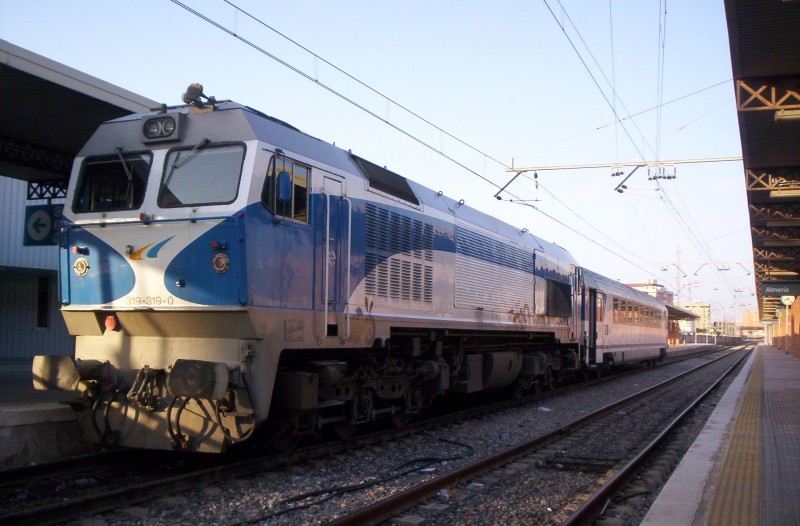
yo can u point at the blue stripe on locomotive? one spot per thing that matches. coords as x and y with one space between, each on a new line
191 276
284 255
110 275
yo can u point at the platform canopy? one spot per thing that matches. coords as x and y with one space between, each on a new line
677 313
47 113
765 58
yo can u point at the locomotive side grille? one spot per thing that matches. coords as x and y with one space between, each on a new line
427 288
427 240
418 283
480 246
398 279
393 243
491 273
395 289
398 234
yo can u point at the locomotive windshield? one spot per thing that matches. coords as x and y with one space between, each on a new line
202 175
112 182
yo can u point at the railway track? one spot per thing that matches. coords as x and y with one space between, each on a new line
551 450
193 471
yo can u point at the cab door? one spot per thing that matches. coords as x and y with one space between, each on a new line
333 257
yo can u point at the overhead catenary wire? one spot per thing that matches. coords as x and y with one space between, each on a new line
662 45
361 107
389 102
581 234
615 122
613 76
680 221
583 61
365 85
341 95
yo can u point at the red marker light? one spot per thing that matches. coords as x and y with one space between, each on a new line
111 322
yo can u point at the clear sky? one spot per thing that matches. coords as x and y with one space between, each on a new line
501 76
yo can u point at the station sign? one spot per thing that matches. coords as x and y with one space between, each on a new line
780 288
41 225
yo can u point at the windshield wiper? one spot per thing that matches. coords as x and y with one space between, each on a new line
128 174
121 156
178 162
192 153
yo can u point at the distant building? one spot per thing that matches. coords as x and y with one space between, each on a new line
751 324
652 287
703 310
751 318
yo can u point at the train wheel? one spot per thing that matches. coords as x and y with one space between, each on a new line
283 436
537 386
550 378
344 430
400 419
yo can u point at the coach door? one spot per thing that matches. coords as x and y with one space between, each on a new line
592 332
334 258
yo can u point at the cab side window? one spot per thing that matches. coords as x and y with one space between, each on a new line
291 200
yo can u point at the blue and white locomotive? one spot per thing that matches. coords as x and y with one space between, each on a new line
223 271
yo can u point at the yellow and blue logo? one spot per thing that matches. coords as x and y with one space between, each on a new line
152 253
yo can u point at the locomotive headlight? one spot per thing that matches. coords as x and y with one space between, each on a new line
81 267
161 128
220 262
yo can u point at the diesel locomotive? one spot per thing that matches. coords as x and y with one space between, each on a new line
223 271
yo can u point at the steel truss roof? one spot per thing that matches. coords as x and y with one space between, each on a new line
764 44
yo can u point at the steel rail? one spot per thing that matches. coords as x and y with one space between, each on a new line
384 509
589 509
55 513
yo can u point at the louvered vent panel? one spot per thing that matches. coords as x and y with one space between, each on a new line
491 273
394 278
428 284
427 242
396 274
417 282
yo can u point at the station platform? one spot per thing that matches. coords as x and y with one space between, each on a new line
35 426
744 467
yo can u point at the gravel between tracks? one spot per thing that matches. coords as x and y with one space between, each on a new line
256 499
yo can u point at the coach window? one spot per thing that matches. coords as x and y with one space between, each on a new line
601 307
296 206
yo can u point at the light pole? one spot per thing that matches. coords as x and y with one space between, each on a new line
787 301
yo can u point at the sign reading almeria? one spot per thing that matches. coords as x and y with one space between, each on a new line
780 288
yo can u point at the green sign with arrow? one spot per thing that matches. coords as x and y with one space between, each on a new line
41 225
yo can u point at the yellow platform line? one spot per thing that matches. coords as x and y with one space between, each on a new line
737 498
